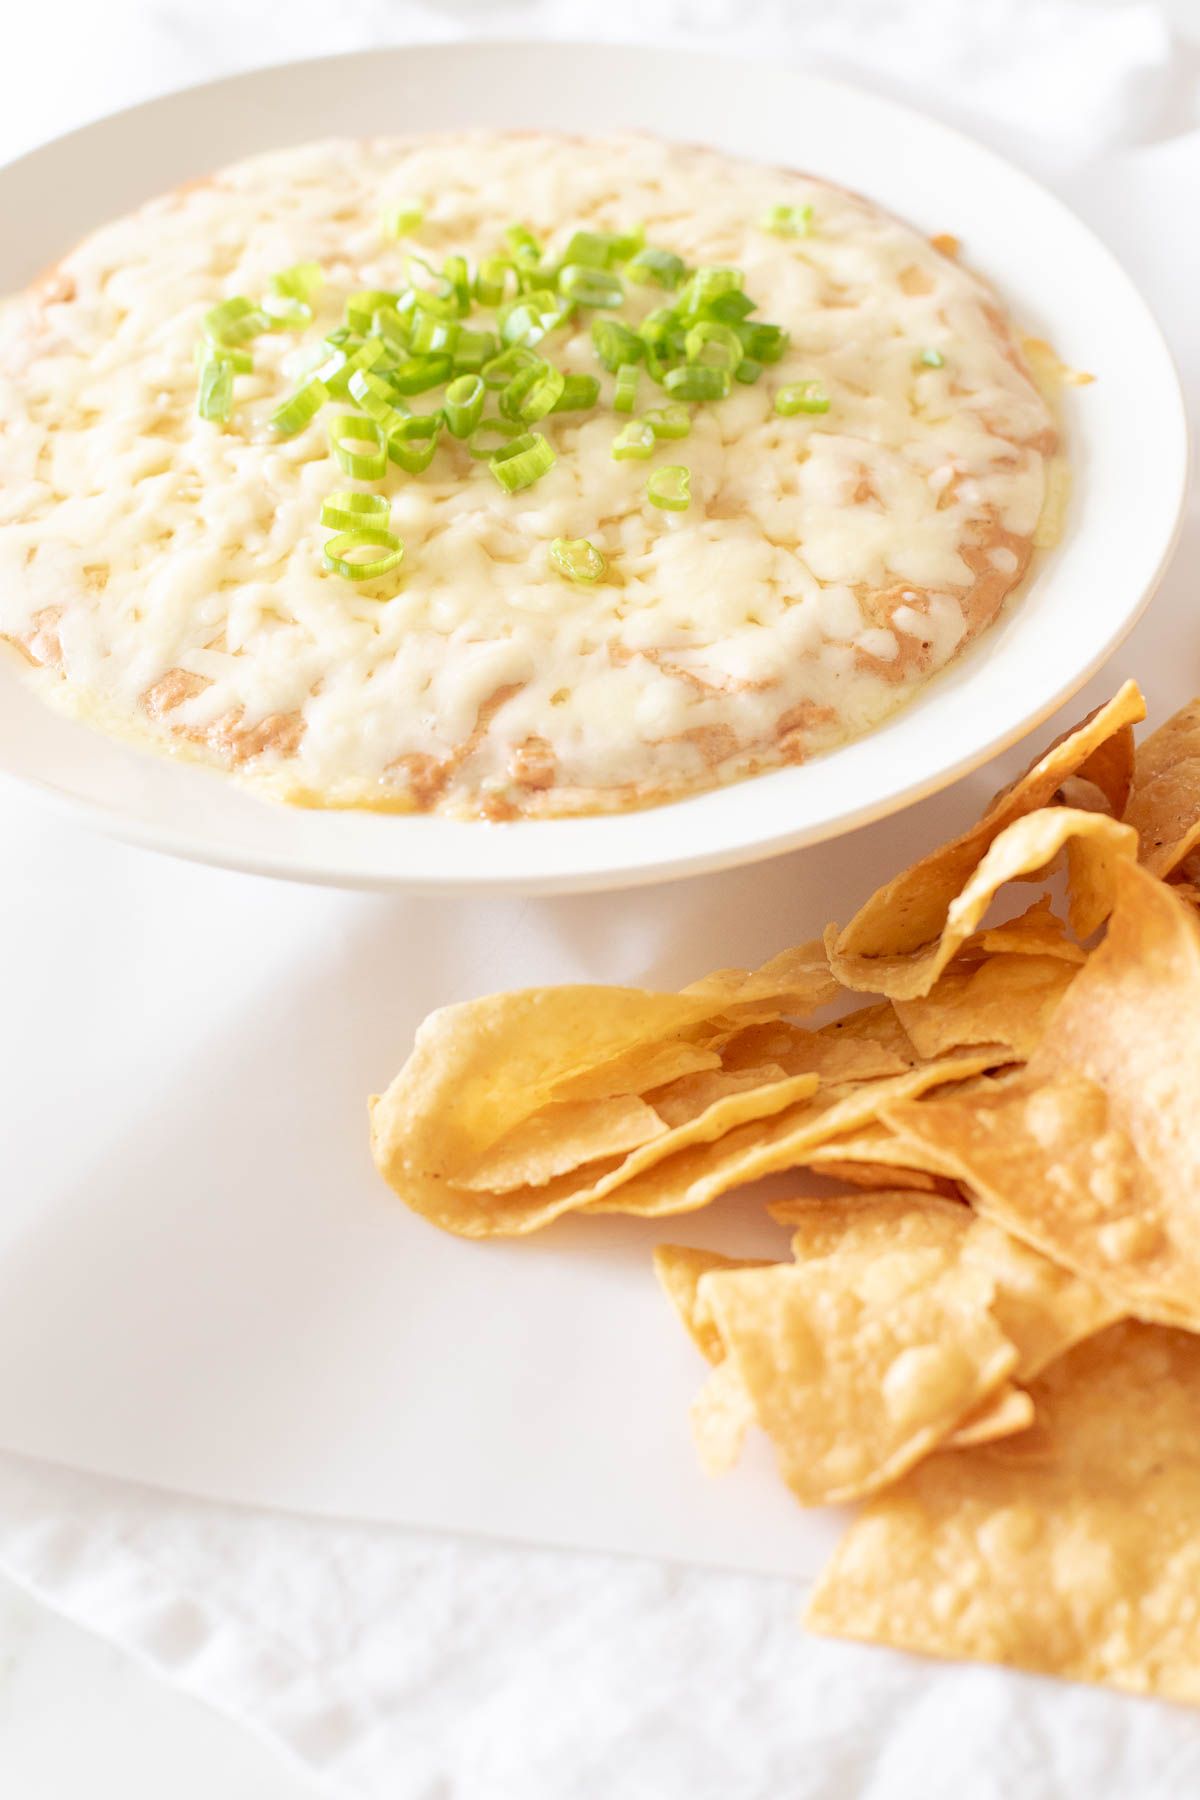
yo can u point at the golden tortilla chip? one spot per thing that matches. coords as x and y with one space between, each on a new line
796 981
1164 806
1009 999
565 1135
874 1157
857 1369
1092 1154
637 1071
877 1048
1038 931
1073 1549
1031 842
690 1177
679 1268
1009 1411
720 1416
910 911
1041 1307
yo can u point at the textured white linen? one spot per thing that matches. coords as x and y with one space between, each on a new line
424 1668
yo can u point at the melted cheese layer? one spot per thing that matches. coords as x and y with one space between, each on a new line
171 570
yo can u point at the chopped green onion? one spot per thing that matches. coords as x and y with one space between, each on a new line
341 560
491 280
932 359
713 346
347 510
672 421
303 281
394 327
670 488
580 393
704 286
402 216
377 397
417 374
696 382
304 405
287 313
526 321
234 321
240 361
336 373
662 267
633 440
473 350
748 371
432 290
523 244
430 333
625 393
615 344
532 392
788 221
500 431
522 462
589 249
730 308
590 287
462 405
349 429
362 307
801 397
498 371
215 397
577 559
414 441
457 277
765 343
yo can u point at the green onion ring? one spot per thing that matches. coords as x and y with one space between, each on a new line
214 400
580 393
498 371
400 217
462 405
503 430
695 381
303 405
633 440
662 267
303 281
577 559
347 510
338 553
353 428
673 421
625 393
788 221
615 344
532 393
670 488
801 397
590 287
414 441
522 462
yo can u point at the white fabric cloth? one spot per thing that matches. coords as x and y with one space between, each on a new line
424 1668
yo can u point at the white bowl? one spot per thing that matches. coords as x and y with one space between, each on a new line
1127 439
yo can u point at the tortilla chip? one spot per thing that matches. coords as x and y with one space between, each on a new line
565 1135
874 1157
720 1416
876 1048
636 1071
1038 931
1041 1307
683 1100
1164 806
1009 1411
679 1268
910 911
1006 1000
796 981
692 1176
1073 1549
1092 1154
855 1372
1030 843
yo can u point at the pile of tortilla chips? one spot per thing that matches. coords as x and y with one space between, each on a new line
993 1331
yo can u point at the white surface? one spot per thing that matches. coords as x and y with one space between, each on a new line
420 1669
1078 604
